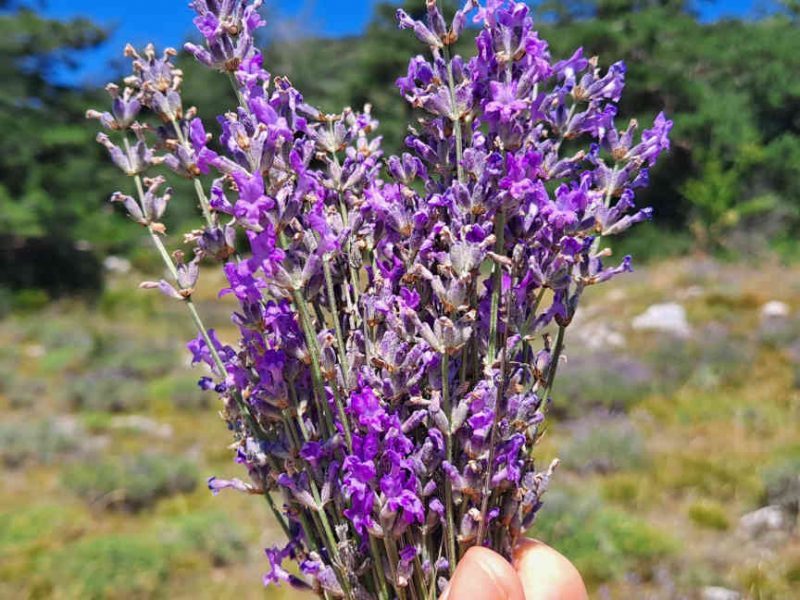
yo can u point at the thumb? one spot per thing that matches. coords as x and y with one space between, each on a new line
484 575
547 575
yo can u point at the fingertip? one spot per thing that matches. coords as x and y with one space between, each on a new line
546 574
484 575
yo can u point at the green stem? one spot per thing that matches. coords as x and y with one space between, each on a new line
381 575
394 559
314 351
450 533
497 288
501 385
455 117
276 513
316 372
237 90
526 327
346 222
556 357
606 202
343 362
322 516
198 187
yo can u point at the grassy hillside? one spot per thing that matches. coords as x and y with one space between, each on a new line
666 441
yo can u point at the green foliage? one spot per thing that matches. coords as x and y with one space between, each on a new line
728 85
53 178
781 480
214 534
113 566
31 527
124 565
121 368
633 490
651 242
182 392
131 483
709 477
709 514
604 543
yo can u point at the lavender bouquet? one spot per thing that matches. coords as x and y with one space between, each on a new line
401 319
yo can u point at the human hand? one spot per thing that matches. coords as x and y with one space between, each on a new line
538 573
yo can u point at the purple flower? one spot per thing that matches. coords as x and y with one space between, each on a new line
199 140
654 141
217 485
401 319
505 105
277 574
227 27
366 409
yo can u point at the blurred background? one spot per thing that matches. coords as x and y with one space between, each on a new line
677 417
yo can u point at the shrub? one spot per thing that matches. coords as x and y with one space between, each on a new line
650 242
29 526
604 446
709 514
719 479
603 543
781 481
24 392
107 391
720 358
38 442
214 534
132 483
599 381
764 581
114 566
182 392
671 361
134 360
779 332
631 490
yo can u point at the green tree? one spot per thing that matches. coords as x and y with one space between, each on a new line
51 210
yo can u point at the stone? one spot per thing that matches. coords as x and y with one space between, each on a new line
117 264
765 520
719 593
775 310
669 318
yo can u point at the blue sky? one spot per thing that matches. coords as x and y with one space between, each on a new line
168 22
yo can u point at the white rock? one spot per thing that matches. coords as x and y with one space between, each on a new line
669 318
720 593
775 310
142 425
765 520
117 264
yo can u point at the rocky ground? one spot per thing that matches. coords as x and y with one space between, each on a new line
677 420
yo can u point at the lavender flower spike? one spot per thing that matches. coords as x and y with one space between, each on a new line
385 397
